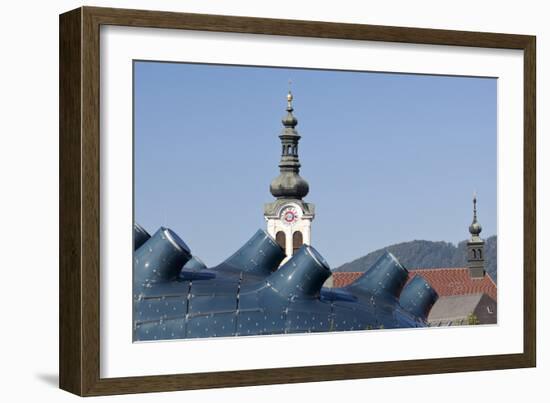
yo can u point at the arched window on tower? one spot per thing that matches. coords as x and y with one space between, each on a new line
474 254
479 253
297 241
280 238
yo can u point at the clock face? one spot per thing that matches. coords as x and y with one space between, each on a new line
289 215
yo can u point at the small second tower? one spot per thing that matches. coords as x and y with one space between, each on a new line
476 247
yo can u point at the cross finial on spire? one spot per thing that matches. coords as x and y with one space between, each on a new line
475 205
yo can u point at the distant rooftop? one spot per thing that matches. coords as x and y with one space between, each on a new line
446 281
456 307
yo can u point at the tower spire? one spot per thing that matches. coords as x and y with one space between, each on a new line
289 184
475 227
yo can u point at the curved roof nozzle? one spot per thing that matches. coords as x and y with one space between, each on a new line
387 276
303 275
418 297
160 258
260 255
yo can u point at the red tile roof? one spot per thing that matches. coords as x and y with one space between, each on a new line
343 278
445 281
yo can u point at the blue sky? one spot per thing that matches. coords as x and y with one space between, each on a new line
388 157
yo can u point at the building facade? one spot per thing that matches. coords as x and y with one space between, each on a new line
465 309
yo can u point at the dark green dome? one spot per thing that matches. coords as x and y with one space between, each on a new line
289 185
475 228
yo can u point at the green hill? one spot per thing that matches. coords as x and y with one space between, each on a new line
427 255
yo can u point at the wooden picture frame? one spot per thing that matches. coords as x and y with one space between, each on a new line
79 317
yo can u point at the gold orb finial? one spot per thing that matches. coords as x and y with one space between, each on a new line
289 96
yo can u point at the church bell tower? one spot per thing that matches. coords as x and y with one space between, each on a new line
289 217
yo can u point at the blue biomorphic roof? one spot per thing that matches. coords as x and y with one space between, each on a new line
176 296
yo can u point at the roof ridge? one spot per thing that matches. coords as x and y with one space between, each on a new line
438 268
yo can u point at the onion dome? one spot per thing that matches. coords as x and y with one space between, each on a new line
289 185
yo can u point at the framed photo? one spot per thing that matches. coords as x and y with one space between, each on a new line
249 201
